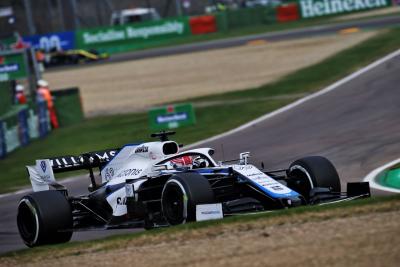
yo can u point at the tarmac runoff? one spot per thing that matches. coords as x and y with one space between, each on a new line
385 178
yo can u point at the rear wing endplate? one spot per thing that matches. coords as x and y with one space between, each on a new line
42 176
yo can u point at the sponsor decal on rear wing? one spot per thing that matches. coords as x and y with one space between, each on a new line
42 177
70 162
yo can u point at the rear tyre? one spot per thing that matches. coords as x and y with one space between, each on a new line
181 194
314 171
44 218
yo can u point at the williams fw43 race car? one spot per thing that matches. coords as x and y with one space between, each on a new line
153 184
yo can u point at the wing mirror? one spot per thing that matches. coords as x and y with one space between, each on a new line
244 158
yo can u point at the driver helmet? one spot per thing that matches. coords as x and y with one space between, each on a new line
185 161
200 162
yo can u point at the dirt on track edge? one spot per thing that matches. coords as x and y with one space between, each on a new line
366 235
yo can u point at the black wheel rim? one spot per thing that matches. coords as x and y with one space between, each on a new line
26 222
173 204
300 183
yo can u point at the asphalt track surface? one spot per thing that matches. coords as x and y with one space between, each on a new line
375 23
356 126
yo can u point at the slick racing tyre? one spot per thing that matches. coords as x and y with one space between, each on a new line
181 194
44 218
309 172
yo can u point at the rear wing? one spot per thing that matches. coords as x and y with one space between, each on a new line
42 176
82 162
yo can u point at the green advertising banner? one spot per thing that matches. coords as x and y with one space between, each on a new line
12 66
172 116
318 8
132 36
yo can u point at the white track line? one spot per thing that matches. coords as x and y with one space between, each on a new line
371 177
276 112
300 101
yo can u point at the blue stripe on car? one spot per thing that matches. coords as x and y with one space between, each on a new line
270 193
212 171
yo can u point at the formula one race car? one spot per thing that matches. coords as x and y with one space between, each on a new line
153 185
56 58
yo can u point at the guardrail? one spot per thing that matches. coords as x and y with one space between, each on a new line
22 124
115 39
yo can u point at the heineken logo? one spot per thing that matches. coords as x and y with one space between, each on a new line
172 116
316 8
180 116
6 68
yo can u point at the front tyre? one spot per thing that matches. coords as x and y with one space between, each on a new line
181 194
44 218
314 171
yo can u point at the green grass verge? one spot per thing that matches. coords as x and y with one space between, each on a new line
115 131
278 217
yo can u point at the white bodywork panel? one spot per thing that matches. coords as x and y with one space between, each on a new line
117 200
263 181
130 163
133 161
136 161
260 178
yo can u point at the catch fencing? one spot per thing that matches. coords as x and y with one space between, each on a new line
117 39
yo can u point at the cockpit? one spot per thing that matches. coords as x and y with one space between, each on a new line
189 160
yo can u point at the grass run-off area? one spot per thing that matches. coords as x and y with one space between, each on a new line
115 131
294 216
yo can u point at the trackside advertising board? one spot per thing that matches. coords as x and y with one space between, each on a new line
318 8
172 116
122 38
47 42
12 66
21 125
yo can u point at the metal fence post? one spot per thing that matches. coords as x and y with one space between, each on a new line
178 7
29 18
75 14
